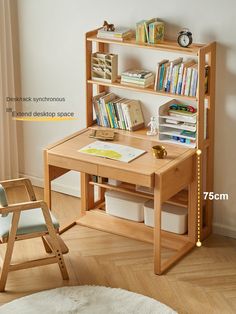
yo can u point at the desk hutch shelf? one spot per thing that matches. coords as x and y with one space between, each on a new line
174 179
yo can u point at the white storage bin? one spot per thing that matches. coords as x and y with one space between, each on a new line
173 218
125 206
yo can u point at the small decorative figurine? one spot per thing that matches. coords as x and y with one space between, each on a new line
108 27
185 38
153 126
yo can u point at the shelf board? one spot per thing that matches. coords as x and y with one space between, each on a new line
148 90
166 45
180 199
100 220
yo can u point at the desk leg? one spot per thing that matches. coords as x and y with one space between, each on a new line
101 191
87 193
157 228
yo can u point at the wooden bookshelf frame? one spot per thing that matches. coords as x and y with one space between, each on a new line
202 52
168 177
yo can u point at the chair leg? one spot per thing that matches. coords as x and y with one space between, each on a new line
9 251
46 246
55 243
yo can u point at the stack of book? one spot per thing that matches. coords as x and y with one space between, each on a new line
178 77
141 78
150 31
118 113
120 33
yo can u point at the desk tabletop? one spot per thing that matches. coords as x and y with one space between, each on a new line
146 164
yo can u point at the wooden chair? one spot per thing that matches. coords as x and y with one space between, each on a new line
24 221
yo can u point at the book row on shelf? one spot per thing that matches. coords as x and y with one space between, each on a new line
177 121
176 77
116 112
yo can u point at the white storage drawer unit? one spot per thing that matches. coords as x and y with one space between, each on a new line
173 218
125 205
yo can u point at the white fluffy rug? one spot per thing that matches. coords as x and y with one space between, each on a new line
85 300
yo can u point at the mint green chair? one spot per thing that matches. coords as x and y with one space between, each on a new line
28 220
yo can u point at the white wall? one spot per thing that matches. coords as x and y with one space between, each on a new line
53 64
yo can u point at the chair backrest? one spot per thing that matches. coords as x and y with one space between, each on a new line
3 199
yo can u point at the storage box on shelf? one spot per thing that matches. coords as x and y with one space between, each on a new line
104 67
173 218
179 128
124 205
139 209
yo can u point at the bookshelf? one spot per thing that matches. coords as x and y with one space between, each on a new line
205 54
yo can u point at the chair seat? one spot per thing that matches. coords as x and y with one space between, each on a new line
31 221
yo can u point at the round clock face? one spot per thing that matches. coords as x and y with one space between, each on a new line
184 40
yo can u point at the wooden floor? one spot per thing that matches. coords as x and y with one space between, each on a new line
203 282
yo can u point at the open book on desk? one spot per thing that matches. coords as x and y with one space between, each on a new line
112 151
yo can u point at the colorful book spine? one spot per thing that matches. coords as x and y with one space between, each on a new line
184 81
180 79
188 81
105 115
113 115
109 115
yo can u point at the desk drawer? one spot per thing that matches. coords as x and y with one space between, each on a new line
72 164
126 176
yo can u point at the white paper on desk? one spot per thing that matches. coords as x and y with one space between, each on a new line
112 151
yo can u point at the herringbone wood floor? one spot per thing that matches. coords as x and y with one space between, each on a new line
203 282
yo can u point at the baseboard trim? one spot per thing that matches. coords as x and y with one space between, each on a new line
57 187
224 230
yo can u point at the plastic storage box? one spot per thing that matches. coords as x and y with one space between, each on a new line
125 206
173 218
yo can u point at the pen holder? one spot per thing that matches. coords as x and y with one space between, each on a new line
159 151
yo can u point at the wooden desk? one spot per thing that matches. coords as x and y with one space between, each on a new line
168 176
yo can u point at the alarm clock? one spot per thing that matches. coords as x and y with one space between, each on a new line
185 38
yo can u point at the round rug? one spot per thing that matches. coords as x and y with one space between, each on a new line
85 300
